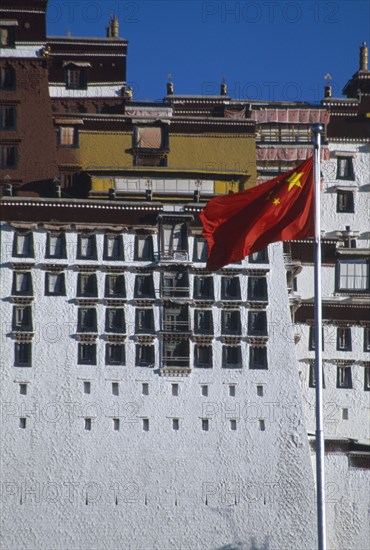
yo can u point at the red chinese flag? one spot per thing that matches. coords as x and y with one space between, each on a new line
281 209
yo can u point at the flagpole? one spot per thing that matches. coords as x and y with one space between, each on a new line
320 445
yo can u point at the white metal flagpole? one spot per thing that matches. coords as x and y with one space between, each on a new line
320 449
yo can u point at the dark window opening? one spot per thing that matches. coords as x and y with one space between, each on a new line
257 289
257 323
87 354
144 248
144 356
230 321
203 321
115 286
87 285
203 288
345 168
115 354
144 286
55 284
144 321
258 358
231 357
344 340
345 202
115 320
230 288
113 247
203 356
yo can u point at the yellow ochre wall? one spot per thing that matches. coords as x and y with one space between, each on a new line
105 150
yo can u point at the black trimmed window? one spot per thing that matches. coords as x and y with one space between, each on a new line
115 320
344 339
8 156
175 284
311 339
203 321
115 354
144 251
7 117
22 319
115 286
145 356
344 376
257 323
366 339
7 36
76 78
260 257
353 275
257 289
23 245
113 248
230 322
87 320
231 357
68 136
87 286
22 354
367 377
87 354
230 288
203 357
175 318
345 168
176 353
144 287
200 249
86 247
7 77
258 358
55 284
144 321
22 283
174 241
203 288
345 201
56 246
312 377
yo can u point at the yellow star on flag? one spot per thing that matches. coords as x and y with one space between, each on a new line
276 202
294 180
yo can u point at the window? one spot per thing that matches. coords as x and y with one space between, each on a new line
175 390
257 358
205 424
145 424
8 156
144 321
115 320
22 318
312 377
203 357
56 245
115 354
203 288
257 289
146 137
116 424
175 424
22 354
367 339
204 391
145 388
144 356
113 247
86 248
176 353
353 275
344 377
230 288
76 78
7 78
345 168
200 250
86 320
345 201
87 354
144 248
115 388
23 423
260 391
311 343
367 377
175 318
87 285
232 390
231 357
344 414
87 387
257 323
115 286
68 136
55 284
87 423
23 389
144 286
260 257
23 245
230 322
175 285
344 341
174 241
22 284
7 117
232 424
7 36
203 321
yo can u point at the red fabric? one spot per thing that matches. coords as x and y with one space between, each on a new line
239 224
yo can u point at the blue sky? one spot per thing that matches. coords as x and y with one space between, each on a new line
265 49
